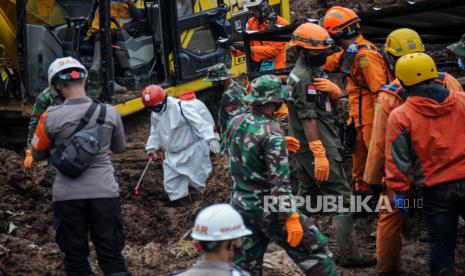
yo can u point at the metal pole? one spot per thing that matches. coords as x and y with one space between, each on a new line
106 51
21 42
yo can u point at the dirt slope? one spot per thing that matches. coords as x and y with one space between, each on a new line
157 237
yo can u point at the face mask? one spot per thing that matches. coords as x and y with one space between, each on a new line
159 107
316 60
460 63
219 85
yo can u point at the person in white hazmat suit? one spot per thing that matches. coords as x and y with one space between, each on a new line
189 98
186 138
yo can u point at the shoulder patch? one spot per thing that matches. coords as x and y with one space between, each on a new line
363 61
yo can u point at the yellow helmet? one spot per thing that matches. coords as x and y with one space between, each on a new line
403 41
414 68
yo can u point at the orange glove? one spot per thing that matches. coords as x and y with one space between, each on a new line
329 87
295 232
282 112
321 162
293 145
28 160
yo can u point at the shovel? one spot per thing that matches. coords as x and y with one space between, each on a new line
135 190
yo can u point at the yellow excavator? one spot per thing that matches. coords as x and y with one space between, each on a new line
173 45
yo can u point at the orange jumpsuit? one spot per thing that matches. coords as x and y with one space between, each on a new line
388 238
368 74
262 50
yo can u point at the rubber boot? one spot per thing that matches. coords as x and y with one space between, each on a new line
118 89
349 255
97 59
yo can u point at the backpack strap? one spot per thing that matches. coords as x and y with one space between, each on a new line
90 111
182 113
102 114
85 120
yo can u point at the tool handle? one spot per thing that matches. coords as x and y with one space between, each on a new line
143 174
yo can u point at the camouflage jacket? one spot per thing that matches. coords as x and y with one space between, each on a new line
258 161
232 104
307 103
48 97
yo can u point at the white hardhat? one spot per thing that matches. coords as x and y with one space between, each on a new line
252 3
219 222
62 64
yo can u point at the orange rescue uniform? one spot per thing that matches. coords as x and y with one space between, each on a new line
368 74
388 230
263 50
387 101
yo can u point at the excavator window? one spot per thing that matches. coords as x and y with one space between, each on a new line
202 42
45 12
184 7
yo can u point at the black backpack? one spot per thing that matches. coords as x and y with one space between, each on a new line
73 155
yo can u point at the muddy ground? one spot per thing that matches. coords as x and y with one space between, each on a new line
158 241
317 8
157 236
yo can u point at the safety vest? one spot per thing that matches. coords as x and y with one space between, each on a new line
402 93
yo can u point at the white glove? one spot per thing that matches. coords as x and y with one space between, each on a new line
215 146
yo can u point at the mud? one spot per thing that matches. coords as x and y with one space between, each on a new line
157 240
316 8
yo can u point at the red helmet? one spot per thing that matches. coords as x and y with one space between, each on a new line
153 95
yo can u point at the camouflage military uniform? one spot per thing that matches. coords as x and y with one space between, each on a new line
306 104
48 97
232 104
259 167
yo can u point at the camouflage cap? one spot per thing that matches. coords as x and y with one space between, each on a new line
267 89
458 48
218 72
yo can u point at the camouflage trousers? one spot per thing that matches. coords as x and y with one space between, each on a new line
337 184
312 255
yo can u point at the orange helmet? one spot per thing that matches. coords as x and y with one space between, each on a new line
311 36
339 20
